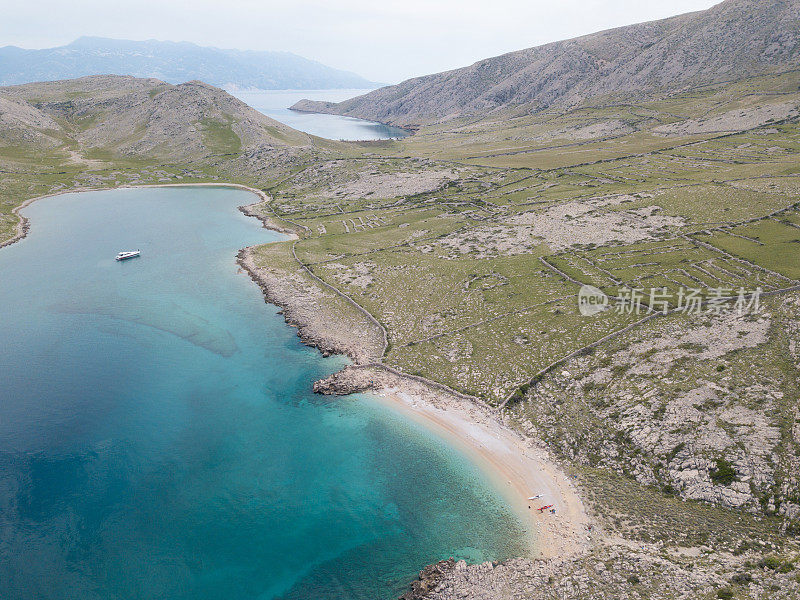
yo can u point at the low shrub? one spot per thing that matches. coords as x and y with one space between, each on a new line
742 578
723 473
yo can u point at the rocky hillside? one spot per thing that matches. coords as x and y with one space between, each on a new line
22 124
175 62
129 117
734 39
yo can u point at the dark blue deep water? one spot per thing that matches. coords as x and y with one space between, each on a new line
158 435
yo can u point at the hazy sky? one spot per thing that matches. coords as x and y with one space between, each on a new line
384 40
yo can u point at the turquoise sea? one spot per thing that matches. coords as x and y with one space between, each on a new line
159 437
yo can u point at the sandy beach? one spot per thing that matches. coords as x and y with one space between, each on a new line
519 469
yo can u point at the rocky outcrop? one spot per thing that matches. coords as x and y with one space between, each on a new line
21 123
734 120
611 571
720 436
429 578
378 376
315 106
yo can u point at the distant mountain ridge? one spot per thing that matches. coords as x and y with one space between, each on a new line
732 40
173 62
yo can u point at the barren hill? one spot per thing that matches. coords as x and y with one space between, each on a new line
731 40
138 117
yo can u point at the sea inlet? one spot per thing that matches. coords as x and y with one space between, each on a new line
159 437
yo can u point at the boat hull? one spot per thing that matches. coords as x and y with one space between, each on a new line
127 256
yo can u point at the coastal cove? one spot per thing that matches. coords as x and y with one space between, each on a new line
159 435
276 103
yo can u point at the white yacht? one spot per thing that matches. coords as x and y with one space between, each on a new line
128 254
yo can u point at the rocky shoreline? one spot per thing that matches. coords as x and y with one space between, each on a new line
303 307
333 108
22 229
614 569
252 210
430 578
24 226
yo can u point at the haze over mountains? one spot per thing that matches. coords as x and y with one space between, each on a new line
173 62
731 40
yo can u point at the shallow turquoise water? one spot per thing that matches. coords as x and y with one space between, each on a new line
158 435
